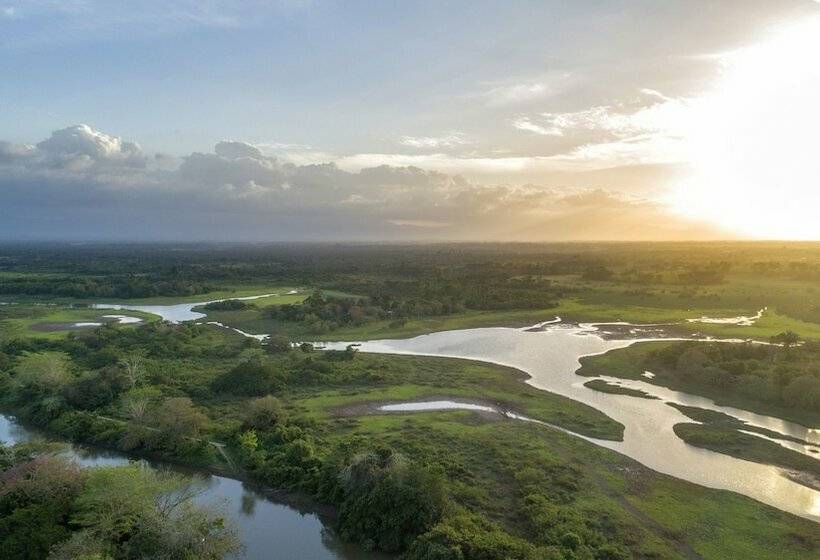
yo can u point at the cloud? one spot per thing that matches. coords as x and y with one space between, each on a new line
80 146
47 22
117 191
524 123
235 150
10 153
611 135
446 141
516 93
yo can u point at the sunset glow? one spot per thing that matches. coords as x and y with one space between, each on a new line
752 141
530 121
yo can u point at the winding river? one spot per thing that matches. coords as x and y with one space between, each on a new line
178 312
550 352
267 528
550 355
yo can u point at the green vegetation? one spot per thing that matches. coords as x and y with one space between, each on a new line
706 416
260 322
606 387
775 380
54 321
421 288
228 305
744 446
115 287
430 485
50 508
722 433
447 485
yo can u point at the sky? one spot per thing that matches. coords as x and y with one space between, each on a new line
385 121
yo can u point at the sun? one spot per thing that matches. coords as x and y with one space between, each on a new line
753 142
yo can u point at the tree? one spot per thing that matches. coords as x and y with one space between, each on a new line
787 339
39 384
178 420
803 392
36 496
132 363
691 361
278 343
137 432
263 413
389 500
252 377
96 389
138 512
249 449
597 272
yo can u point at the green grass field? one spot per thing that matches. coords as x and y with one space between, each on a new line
54 321
729 441
494 464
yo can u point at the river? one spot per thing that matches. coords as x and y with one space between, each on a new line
550 355
267 528
550 352
179 312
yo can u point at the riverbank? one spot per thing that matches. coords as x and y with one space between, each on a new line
296 524
757 372
748 447
550 356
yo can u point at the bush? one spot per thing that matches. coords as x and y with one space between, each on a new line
251 378
96 389
803 392
278 343
389 500
468 536
263 413
227 305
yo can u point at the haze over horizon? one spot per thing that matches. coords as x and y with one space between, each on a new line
481 121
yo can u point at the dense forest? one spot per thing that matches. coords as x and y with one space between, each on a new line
144 270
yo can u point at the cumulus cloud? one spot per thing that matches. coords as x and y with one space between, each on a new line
10 153
82 183
80 146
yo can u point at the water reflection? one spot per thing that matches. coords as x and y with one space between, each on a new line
175 313
551 356
268 529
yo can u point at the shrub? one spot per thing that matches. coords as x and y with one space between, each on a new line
263 413
389 500
250 378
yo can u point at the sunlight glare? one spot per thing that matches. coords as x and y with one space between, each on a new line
753 141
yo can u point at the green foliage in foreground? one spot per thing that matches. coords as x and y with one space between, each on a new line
50 508
774 380
444 485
